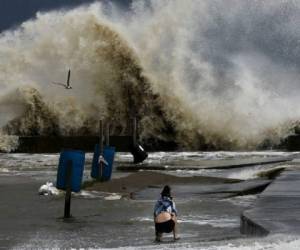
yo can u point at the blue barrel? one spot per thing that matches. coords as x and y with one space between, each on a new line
77 157
108 155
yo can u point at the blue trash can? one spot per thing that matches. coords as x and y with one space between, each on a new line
77 157
108 155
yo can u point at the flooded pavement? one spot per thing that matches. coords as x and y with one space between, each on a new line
32 221
209 215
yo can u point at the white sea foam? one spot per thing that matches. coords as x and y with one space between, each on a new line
242 173
142 219
49 189
253 172
210 220
216 155
113 197
270 243
8 143
218 223
89 194
4 170
199 220
244 200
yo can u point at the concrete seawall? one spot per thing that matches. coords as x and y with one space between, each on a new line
54 144
207 164
277 209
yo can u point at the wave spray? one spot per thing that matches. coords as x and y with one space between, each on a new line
205 74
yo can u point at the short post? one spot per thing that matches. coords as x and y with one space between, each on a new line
134 131
100 148
67 213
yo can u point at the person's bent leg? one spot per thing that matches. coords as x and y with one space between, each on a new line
158 236
175 229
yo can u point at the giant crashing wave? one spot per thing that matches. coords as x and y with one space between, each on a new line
191 73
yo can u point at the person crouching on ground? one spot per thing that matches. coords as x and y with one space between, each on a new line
165 215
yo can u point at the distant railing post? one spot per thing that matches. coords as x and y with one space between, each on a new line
134 131
100 148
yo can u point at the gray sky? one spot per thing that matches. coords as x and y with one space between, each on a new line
14 12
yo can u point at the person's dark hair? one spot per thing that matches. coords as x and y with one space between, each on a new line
166 191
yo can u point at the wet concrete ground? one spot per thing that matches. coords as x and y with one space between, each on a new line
31 221
277 209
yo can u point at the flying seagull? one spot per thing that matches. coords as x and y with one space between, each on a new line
67 85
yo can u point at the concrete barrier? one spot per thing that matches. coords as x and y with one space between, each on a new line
277 209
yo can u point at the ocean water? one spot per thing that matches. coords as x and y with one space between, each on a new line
38 165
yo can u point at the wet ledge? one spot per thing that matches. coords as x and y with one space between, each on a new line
277 209
145 179
206 164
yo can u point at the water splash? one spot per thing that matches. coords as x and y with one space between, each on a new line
233 71
8 143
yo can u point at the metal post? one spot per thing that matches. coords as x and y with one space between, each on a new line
100 148
134 132
67 213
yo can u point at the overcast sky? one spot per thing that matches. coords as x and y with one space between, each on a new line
14 12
